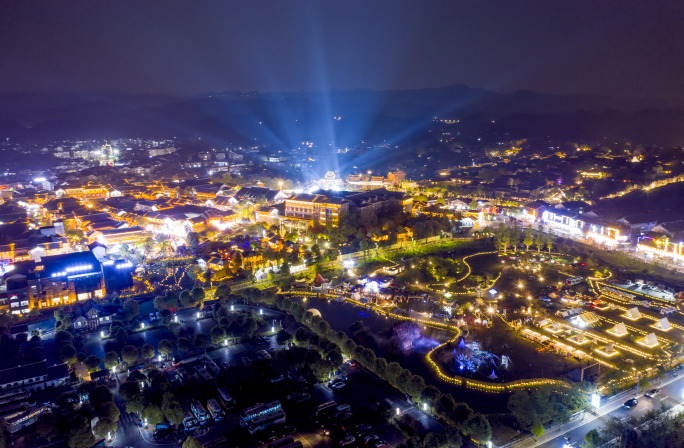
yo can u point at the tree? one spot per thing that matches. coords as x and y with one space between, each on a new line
529 239
129 355
80 435
111 359
283 337
46 426
592 438
537 429
186 299
197 294
147 351
165 347
521 406
394 369
68 354
201 340
136 404
539 241
191 442
217 335
165 316
153 414
380 367
184 345
100 394
129 389
131 309
92 363
108 410
103 427
167 301
173 410
222 292
431 395
302 336
120 335
477 427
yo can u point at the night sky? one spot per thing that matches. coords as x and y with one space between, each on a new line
621 48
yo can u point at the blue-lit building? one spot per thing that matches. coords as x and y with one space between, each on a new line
63 279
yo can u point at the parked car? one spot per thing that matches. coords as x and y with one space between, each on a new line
349 440
277 379
629 404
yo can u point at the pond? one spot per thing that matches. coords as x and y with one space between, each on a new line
340 315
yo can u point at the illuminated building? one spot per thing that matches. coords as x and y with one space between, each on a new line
314 208
31 377
53 281
112 237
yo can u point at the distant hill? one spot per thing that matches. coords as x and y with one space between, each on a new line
287 118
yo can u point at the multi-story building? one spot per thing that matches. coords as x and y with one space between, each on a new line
53 281
314 209
113 237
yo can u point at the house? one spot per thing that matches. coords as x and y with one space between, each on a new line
638 223
267 214
32 377
215 263
90 316
201 262
468 222
672 229
532 211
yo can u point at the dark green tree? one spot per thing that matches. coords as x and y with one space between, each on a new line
147 351
92 363
477 427
111 359
131 309
80 434
129 355
165 347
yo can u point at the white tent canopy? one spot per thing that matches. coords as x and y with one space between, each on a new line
587 319
650 340
553 328
663 324
633 314
618 330
608 349
578 339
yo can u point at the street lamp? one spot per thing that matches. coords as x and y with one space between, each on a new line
175 318
232 307
261 311
102 333
159 358
425 407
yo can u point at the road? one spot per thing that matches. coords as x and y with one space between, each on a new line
670 396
